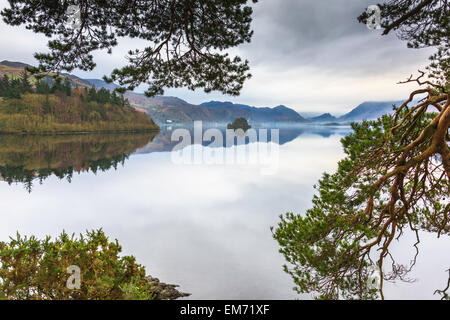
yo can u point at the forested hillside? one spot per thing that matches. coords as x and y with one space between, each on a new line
40 107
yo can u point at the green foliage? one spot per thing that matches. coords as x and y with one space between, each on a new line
10 88
382 188
423 23
42 87
67 87
185 38
37 269
24 82
394 179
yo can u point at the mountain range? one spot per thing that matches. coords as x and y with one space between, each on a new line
326 117
369 111
165 109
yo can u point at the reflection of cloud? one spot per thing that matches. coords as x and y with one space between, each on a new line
169 140
204 227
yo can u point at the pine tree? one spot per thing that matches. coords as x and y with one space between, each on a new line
42 87
67 86
115 99
25 85
12 88
4 85
204 29
394 179
92 94
103 96
57 86
46 106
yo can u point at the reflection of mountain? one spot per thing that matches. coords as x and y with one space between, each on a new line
163 143
28 158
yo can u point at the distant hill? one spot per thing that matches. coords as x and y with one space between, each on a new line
277 114
102 84
365 111
14 65
326 117
174 109
171 109
369 111
14 69
164 109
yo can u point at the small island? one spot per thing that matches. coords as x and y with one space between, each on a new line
40 107
239 123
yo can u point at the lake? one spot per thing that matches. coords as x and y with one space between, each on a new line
202 224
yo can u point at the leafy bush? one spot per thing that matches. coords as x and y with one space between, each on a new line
38 269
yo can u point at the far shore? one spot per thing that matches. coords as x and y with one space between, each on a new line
49 133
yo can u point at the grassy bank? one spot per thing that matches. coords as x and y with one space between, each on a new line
31 124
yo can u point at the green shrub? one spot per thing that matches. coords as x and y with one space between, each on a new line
38 269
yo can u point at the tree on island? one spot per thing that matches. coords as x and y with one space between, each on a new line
394 180
186 40
239 123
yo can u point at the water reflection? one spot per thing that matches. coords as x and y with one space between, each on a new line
25 159
203 227
30 158
163 141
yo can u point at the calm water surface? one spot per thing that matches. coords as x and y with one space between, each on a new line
204 227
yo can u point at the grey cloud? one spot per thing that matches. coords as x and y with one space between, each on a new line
325 34
307 54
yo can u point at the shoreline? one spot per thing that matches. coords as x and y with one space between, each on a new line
51 133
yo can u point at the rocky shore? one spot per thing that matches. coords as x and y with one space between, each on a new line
165 291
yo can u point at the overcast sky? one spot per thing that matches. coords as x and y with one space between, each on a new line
310 55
